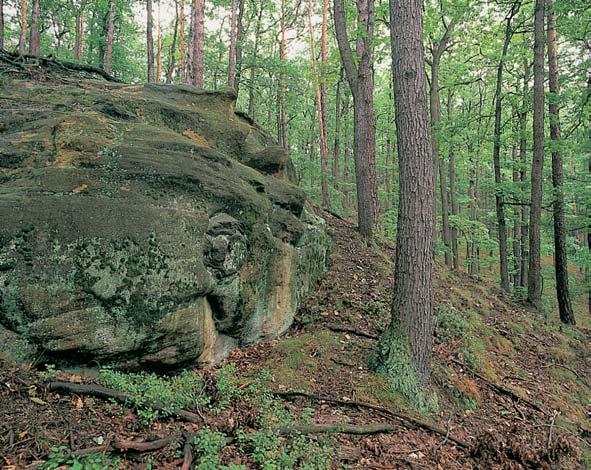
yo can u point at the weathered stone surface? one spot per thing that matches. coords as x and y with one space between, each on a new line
136 228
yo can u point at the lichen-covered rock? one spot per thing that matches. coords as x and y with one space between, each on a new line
146 225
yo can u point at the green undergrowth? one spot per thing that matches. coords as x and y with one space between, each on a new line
258 441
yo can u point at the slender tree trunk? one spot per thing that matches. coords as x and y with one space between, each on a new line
360 78
110 38
1 24
79 35
251 79
412 309
198 42
22 42
320 105
150 41
282 79
159 47
523 178
499 200
534 284
453 199
34 39
171 60
560 254
337 132
182 47
232 53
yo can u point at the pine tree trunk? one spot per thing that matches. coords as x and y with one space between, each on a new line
251 79
198 42
182 45
499 200
337 133
360 78
1 24
412 309
560 254
110 38
516 223
159 48
34 39
150 41
282 128
534 284
232 53
523 178
22 42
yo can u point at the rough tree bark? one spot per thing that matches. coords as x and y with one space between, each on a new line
412 308
198 41
22 41
34 39
534 279
110 38
560 254
360 77
499 200
320 102
150 40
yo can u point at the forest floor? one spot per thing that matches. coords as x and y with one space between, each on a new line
513 390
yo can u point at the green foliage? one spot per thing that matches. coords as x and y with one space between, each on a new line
449 324
227 387
208 445
183 391
61 456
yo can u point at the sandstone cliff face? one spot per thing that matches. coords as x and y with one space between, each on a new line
146 226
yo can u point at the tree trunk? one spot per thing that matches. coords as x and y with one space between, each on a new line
34 39
110 38
453 199
534 284
320 104
79 35
232 50
516 223
171 61
412 309
282 124
240 33
499 200
150 41
560 254
251 79
159 47
337 132
198 42
182 48
523 274
360 78
22 42
1 24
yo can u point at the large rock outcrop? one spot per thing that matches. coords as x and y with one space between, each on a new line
146 225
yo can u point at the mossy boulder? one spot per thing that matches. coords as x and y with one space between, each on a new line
146 225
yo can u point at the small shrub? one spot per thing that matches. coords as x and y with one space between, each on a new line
60 457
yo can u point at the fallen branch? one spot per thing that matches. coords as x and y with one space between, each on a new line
107 393
359 430
352 331
384 411
502 390
148 446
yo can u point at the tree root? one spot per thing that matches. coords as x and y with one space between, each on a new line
500 389
352 331
103 392
360 430
409 421
188 453
126 446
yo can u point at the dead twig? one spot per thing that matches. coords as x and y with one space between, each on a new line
103 392
352 331
414 422
339 428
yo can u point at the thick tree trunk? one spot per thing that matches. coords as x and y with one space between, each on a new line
560 254
110 38
22 42
320 106
198 42
534 284
499 200
232 52
150 40
182 46
34 39
360 78
412 309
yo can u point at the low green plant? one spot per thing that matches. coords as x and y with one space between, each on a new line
227 387
183 391
449 324
60 457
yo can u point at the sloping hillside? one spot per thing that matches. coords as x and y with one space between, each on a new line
510 391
